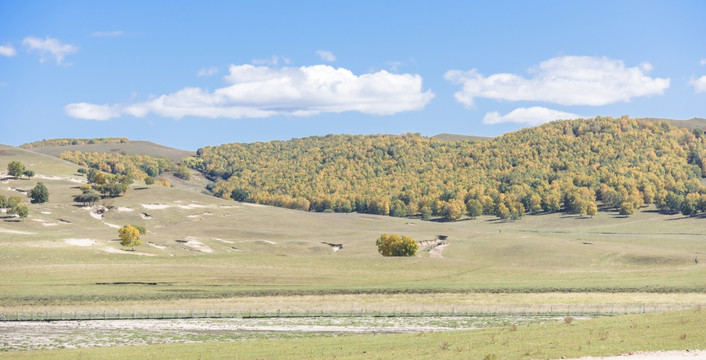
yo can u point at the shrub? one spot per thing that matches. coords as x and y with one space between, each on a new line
396 245
39 194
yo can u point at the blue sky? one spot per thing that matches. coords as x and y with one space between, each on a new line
190 74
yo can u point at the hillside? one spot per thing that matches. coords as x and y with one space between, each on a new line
571 166
201 247
136 147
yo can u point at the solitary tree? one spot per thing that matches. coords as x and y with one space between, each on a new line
15 168
396 245
39 194
129 236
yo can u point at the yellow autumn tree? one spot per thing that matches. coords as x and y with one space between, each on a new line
129 236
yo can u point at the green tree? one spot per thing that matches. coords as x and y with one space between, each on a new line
88 198
20 210
129 236
39 194
140 228
149 180
28 174
396 245
240 195
474 208
15 168
3 202
182 172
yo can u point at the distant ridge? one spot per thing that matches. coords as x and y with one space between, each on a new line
691 124
139 147
454 137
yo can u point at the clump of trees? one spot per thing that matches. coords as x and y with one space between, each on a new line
14 206
130 236
575 166
396 245
131 165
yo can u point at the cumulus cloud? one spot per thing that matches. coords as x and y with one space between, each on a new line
260 91
565 80
49 47
699 84
326 55
108 33
533 116
92 111
210 71
7 50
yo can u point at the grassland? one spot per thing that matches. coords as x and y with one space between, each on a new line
202 252
596 337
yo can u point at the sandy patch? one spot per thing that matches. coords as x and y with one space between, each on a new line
45 223
253 205
96 213
80 242
155 206
112 225
438 251
146 216
192 216
45 212
10 188
191 206
16 232
160 247
77 181
267 242
228 206
125 209
45 177
223 241
195 244
118 251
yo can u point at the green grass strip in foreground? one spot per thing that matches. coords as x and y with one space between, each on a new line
597 337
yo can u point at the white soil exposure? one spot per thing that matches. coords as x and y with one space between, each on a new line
45 223
156 246
125 209
146 216
267 242
80 242
223 241
191 206
155 206
112 225
45 212
253 205
27 335
18 190
45 177
117 251
96 213
437 251
15 232
196 245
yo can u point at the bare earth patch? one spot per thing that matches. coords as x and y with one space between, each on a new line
155 206
80 242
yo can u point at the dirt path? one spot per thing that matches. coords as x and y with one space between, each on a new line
657 355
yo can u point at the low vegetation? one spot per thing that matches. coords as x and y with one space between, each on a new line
75 141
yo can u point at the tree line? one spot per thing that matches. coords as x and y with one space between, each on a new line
575 166
75 141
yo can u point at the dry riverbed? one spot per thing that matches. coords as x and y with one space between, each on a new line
30 335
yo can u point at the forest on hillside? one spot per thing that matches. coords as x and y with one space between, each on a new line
575 166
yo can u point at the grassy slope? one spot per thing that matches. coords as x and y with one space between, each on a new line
266 250
597 337
133 147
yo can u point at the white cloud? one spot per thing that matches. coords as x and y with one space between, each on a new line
92 111
326 55
49 48
566 80
699 84
210 71
108 33
260 91
273 61
7 50
533 116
